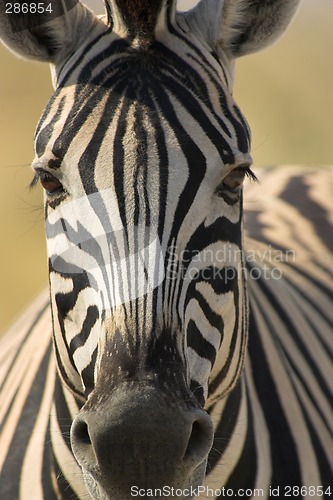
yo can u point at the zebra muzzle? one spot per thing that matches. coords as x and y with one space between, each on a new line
136 439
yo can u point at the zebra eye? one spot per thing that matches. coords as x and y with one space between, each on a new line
50 183
232 184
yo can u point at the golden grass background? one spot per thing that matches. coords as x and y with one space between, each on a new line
285 92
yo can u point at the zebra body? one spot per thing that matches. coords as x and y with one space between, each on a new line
142 153
290 326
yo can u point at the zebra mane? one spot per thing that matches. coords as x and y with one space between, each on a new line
138 17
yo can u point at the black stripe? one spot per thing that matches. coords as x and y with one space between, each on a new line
64 487
63 415
324 465
221 231
224 430
64 376
43 135
246 467
47 484
92 315
220 377
215 320
88 373
199 344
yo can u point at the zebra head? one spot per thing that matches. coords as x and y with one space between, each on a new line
142 153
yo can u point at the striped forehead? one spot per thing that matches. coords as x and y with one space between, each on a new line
125 94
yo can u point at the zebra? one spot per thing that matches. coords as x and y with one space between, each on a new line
153 381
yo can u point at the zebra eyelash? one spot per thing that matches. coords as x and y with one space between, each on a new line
34 181
51 184
250 174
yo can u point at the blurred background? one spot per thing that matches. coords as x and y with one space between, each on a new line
285 92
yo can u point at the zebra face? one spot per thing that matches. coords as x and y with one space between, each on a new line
143 172
143 218
142 152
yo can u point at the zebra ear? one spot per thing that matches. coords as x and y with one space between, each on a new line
50 35
240 27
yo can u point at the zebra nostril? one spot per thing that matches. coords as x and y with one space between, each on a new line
82 433
81 443
200 440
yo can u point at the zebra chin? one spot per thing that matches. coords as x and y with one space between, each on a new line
140 439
